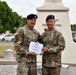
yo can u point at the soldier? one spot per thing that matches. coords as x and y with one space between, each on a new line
54 43
23 36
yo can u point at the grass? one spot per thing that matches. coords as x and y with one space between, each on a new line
3 48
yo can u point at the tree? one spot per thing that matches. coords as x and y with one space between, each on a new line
73 27
9 20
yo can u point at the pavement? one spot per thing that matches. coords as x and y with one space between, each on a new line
6 43
64 71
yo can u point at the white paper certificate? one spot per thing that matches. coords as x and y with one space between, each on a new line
35 47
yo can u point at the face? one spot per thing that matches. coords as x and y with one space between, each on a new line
31 22
50 23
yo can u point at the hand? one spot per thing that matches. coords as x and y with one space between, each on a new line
44 49
31 53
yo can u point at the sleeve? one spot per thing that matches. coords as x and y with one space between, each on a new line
17 43
40 38
60 45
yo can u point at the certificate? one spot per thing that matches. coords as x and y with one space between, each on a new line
35 47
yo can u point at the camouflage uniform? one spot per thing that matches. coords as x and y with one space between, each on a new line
51 60
26 63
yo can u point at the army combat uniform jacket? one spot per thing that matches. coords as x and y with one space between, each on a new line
55 43
23 37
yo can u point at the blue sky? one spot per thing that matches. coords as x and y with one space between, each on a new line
25 7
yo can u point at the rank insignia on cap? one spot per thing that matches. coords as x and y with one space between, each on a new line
35 16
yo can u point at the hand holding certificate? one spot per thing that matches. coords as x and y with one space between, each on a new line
35 47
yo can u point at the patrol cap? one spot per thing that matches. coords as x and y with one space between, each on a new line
30 16
50 17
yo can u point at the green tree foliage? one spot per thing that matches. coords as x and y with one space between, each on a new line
73 27
9 20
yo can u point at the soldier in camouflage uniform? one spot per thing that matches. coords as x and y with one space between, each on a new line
54 43
23 37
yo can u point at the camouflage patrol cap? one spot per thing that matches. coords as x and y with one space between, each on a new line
30 16
50 17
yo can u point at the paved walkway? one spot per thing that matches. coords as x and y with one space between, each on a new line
10 68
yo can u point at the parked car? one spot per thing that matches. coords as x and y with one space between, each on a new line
74 39
9 37
2 37
6 37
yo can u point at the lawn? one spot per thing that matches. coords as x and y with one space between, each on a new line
3 48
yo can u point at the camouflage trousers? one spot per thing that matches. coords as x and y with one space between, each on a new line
51 70
27 69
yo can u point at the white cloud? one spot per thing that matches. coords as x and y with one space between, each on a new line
72 12
24 7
